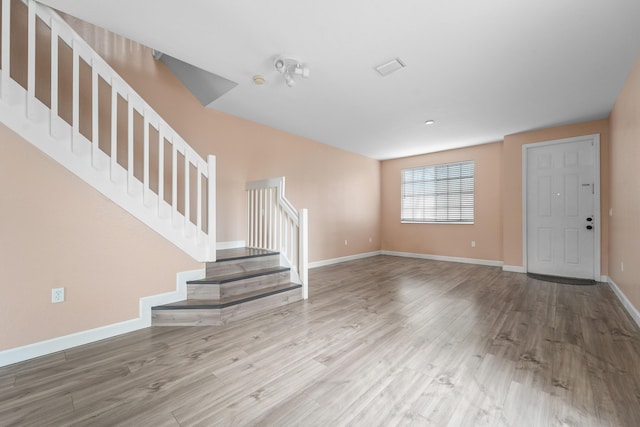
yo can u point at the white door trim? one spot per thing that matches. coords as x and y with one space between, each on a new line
595 138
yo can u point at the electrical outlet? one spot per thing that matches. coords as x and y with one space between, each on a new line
370 240
610 211
57 295
621 266
345 242
473 243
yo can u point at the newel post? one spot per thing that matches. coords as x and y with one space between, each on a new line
303 248
211 207
6 47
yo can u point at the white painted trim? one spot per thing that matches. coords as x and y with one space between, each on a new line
524 171
42 348
42 127
211 206
30 351
303 251
604 279
514 268
231 245
332 261
113 186
595 138
445 258
179 294
633 312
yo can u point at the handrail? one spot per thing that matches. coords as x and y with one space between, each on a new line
274 224
177 200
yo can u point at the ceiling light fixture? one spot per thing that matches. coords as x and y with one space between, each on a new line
429 122
290 67
259 80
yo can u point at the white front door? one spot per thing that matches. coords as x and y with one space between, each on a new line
561 205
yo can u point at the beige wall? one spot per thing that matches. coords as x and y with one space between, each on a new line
452 240
512 184
340 189
66 234
624 246
57 231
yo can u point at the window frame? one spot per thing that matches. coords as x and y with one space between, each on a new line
433 169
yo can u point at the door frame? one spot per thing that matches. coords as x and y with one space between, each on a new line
595 139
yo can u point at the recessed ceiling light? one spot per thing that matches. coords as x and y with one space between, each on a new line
390 67
259 80
429 122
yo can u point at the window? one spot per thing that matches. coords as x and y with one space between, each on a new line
440 193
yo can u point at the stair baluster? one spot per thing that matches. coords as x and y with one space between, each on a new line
275 225
70 142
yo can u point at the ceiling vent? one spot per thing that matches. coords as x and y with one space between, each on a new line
390 67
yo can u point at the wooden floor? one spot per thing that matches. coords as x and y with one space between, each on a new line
382 341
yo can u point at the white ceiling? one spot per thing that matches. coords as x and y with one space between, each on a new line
481 69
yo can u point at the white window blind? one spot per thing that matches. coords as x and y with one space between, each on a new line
439 193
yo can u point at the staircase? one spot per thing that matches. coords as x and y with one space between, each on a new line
112 139
240 283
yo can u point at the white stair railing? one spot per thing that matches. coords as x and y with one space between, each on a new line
275 225
176 197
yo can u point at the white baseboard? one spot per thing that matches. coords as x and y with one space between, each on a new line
445 258
633 312
179 294
514 268
331 261
604 279
231 245
42 348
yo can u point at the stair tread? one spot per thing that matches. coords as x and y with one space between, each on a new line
216 280
241 253
229 301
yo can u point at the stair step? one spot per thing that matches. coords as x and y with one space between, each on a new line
237 284
217 312
229 301
237 260
232 254
238 276
242 282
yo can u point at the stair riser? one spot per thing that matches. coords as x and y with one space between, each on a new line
241 265
223 290
242 311
201 317
187 317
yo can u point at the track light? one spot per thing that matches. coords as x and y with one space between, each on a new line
280 65
290 67
289 80
301 70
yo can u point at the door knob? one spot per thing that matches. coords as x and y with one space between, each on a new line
589 227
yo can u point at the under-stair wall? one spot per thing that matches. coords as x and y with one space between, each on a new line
59 95
57 231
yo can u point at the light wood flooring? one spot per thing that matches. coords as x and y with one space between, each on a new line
382 341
